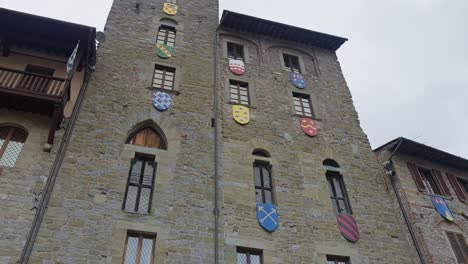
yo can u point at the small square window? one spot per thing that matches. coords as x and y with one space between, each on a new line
163 77
166 35
239 92
337 260
291 63
235 51
302 105
249 256
139 248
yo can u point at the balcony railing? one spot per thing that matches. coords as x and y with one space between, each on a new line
34 85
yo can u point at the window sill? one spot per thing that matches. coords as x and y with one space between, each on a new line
164 90
136 213
249 106
311 117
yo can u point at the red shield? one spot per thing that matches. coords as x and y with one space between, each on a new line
236 67
348 227
308 126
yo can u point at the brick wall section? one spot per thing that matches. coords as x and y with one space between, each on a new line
307 229
429 226
84 222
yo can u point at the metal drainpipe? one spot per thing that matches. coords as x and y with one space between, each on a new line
48 188
403 210
216 150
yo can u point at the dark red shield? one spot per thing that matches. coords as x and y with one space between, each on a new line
308 126
348 227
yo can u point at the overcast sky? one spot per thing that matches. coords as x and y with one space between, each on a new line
406 61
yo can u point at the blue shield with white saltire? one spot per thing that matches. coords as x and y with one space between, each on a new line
267 216
442 208
161 101
298 80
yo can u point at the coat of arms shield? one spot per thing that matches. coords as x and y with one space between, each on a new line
348 227
161 101
308 126
298 80
241 114
170 9
236 66
442 208
267 216
164 51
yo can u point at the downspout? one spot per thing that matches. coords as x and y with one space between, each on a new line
56 166
216 150
392 176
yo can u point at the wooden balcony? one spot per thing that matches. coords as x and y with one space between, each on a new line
35 93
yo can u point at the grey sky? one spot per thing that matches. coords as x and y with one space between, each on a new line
406 61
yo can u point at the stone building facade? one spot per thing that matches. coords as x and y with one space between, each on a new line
37 99
158 171
419 173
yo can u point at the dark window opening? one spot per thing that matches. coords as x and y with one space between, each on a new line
337 260
302 105
338 193
249 256
458 243
291 63
139 248
261 153
235 51
239 92
464 184
12 140
140 185
164 77
263 184
429 181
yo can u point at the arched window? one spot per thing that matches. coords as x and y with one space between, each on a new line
147 137
337 188
261 153
11 142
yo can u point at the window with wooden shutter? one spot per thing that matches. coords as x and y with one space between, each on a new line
147 137
164 77
302 105
441 182
12 140
291 63
263 184
239 92
460 186
166 35
139 249
249 256
458 243
235 51
416 177
140 185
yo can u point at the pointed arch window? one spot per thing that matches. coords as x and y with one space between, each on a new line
12 140
148 137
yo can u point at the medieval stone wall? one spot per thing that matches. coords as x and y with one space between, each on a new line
307 229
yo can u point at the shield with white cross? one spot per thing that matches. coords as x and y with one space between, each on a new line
161 101
267 215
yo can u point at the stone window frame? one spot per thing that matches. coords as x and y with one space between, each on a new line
166 39
248 252
333 169
313 101
227 39
455 233
140 235
264 164
251 85
177 77
239 85
299 56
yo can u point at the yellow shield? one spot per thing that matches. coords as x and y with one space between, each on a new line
241 114
170 8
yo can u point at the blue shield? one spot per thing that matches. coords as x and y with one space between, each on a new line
161 101
442 208
267 216
298 80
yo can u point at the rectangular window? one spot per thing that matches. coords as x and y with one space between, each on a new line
291 63
166 36
458 243
429 181
139 249
249 256
338 193
140 184
239 92
337 260
302 105
464 184
263 184
235 51
164 77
